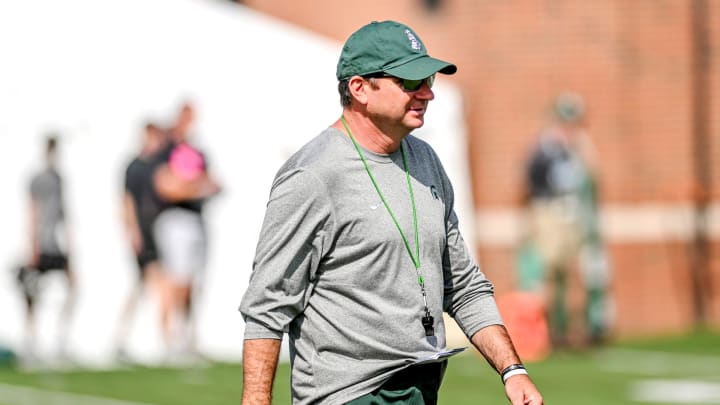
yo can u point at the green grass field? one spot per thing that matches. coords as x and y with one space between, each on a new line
681 369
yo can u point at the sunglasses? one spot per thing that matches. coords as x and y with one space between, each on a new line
408 84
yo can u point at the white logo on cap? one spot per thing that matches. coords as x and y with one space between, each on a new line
414 43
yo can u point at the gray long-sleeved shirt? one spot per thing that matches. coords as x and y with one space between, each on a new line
331 269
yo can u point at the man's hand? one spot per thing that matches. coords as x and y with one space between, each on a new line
520 390
495 345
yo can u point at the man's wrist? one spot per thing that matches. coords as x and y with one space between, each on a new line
256 398
512 370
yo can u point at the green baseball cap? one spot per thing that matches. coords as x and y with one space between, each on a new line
388 47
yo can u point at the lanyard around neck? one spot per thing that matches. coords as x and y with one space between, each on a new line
416 257
427 321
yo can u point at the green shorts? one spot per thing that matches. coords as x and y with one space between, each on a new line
415 385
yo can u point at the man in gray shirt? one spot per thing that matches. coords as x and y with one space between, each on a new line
49 240
360 252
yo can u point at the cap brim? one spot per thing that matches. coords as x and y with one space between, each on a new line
421 68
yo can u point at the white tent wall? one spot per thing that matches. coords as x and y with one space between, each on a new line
95 71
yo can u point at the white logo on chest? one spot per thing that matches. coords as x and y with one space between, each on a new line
376 206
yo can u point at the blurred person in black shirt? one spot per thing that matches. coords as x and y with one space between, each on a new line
564 226
141 206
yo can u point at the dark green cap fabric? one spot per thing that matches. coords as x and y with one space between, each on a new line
389 47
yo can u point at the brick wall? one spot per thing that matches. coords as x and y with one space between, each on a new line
634 63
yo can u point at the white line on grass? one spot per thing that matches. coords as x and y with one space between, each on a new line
676 391
645 362
18 395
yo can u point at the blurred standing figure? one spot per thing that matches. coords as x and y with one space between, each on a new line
141 206
561 181
49 240
182 181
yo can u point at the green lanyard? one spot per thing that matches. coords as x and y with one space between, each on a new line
427 321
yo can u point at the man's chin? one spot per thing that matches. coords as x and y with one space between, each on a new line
416 123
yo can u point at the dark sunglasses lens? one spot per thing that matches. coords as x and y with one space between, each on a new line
414 85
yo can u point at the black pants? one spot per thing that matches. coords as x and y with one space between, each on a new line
29 277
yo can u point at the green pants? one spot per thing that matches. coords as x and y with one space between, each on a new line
415 385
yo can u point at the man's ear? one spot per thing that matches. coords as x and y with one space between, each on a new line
358 88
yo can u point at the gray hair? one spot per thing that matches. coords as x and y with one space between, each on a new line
344 90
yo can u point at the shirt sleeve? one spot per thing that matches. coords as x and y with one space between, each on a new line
130 178
469 295
295 236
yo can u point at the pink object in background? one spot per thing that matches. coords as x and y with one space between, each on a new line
186 162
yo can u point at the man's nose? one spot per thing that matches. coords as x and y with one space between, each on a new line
425 92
